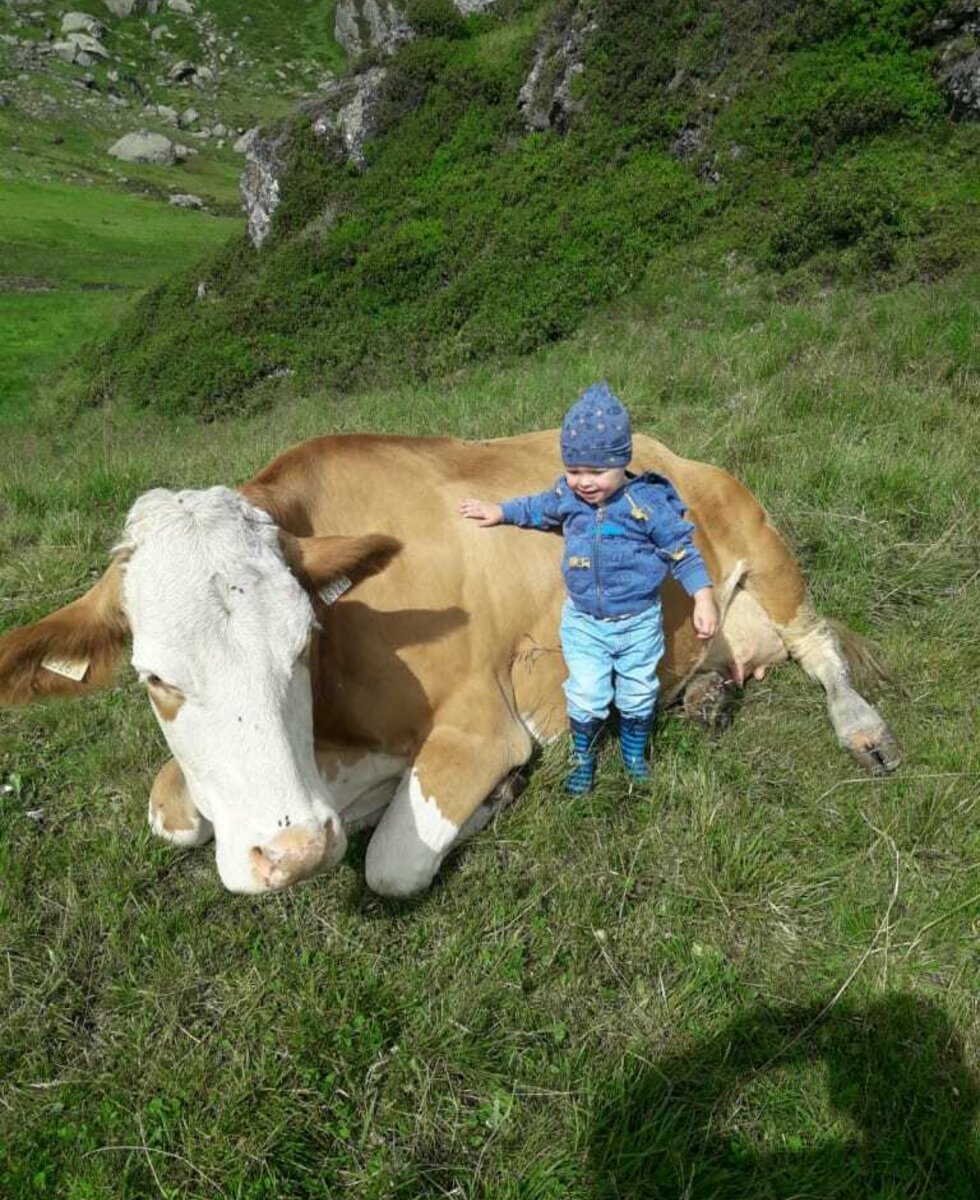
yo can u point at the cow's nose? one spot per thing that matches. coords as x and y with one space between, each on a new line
294 855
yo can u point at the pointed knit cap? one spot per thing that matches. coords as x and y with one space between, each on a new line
596 430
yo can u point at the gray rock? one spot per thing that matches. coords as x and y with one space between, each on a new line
146 147
88 45
218 130
125 8
688 143
361 25
547 98
346 111
168 114
79 22
188 117
67 51
203 76
959 75
181 6
186 200
244 143
343 117
181 71
955 32
468 7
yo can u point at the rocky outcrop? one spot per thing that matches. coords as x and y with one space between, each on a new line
955 32
342 117
346 112
547 99
361 25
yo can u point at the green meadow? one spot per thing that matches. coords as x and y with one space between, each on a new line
756 978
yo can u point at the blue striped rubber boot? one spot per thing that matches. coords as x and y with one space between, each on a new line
633 735
585 738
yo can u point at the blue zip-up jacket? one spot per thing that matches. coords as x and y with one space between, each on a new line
617 554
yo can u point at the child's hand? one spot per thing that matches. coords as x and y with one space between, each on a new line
705 613
484 514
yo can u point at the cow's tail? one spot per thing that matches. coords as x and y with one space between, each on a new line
867 668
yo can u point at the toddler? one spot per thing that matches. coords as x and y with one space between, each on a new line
623 533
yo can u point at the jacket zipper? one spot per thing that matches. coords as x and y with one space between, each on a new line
595 559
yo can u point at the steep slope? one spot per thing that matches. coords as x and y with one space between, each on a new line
509 171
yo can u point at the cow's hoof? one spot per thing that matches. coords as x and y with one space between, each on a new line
877 750
172 814
709 700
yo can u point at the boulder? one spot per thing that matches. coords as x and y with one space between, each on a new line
188 117
79 22
244 143
182 71
145 147
65 50
181 6
186 200
88 45
166 113
547 98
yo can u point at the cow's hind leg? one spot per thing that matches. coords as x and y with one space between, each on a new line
859 726
173 814
445 795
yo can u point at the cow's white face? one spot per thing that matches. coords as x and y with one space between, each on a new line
221 630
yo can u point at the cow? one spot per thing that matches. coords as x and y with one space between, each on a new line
330 646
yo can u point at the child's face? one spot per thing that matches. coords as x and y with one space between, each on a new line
595 485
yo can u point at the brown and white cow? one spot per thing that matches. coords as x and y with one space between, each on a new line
294 710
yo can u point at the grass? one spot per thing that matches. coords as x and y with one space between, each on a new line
73 257
608 997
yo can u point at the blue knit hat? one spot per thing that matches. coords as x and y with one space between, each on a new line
596 430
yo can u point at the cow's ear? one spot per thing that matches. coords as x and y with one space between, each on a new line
70 652
330 566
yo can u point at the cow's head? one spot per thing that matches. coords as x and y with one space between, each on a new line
219 605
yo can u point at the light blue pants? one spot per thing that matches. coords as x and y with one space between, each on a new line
611 660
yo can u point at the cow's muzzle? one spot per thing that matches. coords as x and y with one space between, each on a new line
296 854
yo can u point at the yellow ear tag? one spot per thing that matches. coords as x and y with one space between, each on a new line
74 669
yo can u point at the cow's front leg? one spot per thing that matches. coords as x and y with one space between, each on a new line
439 801
173 814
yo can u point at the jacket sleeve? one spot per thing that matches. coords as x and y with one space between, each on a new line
541 511
673 535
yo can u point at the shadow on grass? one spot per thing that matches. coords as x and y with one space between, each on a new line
895 1071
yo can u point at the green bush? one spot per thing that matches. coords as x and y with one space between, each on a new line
844 210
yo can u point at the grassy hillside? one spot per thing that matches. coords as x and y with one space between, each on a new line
81 232
821 148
